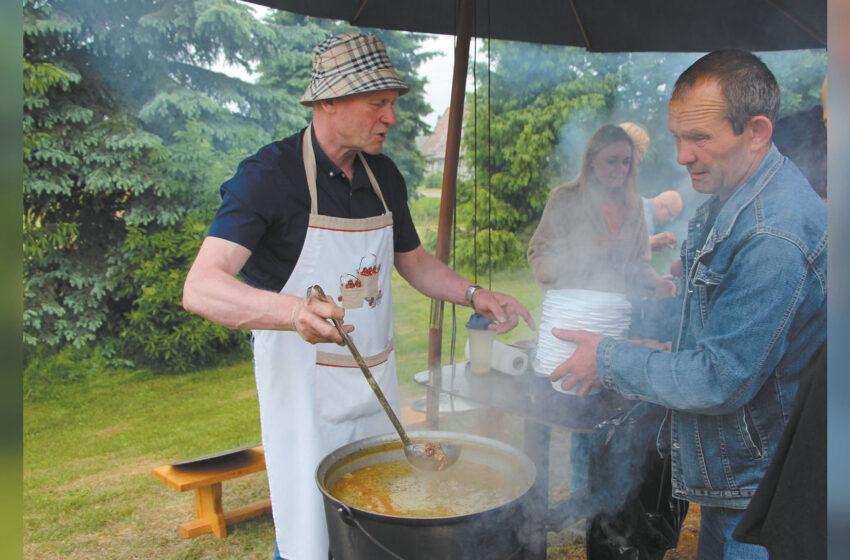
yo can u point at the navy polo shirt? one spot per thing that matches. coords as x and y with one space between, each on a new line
265 206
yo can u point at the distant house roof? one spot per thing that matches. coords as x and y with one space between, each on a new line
434 146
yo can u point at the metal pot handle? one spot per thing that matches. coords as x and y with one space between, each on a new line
348 517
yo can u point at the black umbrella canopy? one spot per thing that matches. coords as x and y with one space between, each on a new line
597 25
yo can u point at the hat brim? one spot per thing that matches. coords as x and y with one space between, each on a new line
377 80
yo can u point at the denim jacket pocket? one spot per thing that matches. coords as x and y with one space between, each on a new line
705 277
749 432
705 280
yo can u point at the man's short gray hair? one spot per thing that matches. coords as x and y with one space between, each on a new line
747 83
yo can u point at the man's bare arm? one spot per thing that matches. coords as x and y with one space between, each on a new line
212 291
433 278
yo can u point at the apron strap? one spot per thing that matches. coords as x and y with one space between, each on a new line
372 180
309 157
310 167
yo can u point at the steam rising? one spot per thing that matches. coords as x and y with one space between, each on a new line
628 445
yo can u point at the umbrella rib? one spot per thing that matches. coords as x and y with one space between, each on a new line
805 27
580 25
359 11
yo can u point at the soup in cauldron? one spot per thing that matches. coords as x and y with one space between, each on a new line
395 488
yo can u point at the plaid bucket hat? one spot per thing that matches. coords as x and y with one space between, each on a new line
351 63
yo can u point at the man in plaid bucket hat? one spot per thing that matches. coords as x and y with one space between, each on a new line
349 63
323 206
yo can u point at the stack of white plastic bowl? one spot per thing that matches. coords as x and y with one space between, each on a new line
605 313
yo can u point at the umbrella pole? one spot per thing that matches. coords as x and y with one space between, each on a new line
447 207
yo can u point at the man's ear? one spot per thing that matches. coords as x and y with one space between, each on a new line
761 131
327 105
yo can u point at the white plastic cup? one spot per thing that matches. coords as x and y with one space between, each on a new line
480 344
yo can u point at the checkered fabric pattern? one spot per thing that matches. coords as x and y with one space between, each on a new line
351 63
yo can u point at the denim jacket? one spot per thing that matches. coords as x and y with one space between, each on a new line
752 314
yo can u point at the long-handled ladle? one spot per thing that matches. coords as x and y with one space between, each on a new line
427 456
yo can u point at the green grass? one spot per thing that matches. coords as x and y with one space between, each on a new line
89 453
90 448
425 212
91 445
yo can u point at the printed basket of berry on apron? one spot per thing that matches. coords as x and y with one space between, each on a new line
352 292
367 274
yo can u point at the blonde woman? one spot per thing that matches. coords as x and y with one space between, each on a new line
592 234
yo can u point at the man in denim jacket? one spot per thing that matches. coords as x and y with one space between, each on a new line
753 309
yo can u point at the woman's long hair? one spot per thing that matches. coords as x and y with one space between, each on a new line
603 137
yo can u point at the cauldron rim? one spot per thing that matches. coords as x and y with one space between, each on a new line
389 442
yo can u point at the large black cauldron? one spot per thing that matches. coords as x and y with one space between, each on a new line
492 534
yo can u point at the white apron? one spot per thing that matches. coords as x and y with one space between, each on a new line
313 398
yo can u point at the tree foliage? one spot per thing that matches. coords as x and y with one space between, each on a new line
128 133
113 94
289 71
510 140
156 328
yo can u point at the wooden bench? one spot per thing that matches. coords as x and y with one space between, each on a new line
205 479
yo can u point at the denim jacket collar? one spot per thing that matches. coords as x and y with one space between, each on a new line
739 200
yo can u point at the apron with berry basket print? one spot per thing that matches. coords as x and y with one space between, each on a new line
314 398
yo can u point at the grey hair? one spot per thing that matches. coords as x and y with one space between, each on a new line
747 83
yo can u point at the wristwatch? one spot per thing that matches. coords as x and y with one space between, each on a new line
469 291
